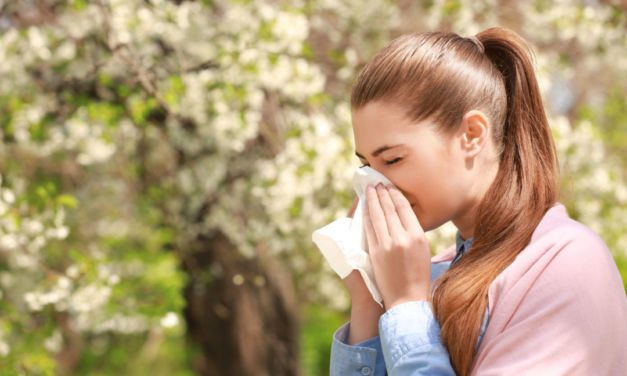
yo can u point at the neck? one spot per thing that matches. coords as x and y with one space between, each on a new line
465 228
465 221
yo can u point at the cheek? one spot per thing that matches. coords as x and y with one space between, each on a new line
425 181
433 192
419 184
406 180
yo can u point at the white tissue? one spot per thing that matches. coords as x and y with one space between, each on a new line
343 241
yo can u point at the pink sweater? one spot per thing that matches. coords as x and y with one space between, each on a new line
559 309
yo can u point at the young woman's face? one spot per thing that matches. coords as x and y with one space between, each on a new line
427 167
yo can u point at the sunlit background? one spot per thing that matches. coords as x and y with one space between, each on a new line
164 163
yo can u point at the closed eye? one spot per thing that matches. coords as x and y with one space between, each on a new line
395 160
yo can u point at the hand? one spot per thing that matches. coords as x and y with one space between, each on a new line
357 289
365 311
398 249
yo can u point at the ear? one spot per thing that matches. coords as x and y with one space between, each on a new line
474 132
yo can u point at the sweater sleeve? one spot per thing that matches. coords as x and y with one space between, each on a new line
571 320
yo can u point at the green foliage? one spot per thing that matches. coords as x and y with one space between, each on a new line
141 108
174 90
155 353
319 324
611 119
621 263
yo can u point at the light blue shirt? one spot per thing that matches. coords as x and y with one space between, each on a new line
408 342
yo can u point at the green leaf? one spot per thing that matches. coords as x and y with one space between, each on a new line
66 200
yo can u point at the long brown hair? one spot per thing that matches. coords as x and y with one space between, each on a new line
440 76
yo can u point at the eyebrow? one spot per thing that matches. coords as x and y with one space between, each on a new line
379 150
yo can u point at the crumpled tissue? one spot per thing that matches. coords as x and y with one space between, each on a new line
343 242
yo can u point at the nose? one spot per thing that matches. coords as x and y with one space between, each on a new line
407 196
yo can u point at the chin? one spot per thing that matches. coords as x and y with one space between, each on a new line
426 223
421 219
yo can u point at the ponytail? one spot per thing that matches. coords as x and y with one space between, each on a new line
525 187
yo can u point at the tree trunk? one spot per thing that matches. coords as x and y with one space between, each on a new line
240 312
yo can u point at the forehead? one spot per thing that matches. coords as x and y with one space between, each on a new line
380 123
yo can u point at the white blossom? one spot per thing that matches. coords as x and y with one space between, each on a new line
170 320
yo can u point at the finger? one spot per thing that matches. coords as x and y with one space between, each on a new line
395 227
377 218
405 212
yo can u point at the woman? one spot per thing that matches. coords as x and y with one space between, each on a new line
457 125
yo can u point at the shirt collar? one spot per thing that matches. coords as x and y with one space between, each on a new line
462 246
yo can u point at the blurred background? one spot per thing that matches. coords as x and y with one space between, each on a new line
164 163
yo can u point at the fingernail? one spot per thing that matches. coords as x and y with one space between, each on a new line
379 186
369 188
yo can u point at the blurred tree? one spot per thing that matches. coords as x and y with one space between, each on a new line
169 159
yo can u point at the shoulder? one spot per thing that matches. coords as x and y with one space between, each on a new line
557 226
566 243
564 258
578 259
560 305
558 236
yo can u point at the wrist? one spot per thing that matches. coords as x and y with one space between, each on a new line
364 321
365 302
400 301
